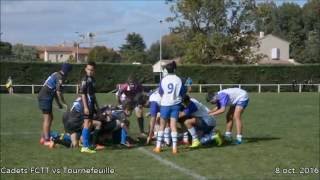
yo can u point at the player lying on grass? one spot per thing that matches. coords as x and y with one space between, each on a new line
238 100
171 91
51 89
198 122
90 104
131 91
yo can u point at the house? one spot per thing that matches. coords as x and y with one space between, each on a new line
63 53
275 49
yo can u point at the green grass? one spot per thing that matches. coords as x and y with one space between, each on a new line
280 130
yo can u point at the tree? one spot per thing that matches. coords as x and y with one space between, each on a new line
25 53
310 16
133 50
5 49
135 42
172 47
290 24
311 54
103 54
266 17
214 30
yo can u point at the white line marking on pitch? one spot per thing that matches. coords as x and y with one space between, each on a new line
171 164
141 149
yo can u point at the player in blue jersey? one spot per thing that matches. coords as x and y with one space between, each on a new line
238 100
73 121
115 123
199 123
90 104
171 90
51 89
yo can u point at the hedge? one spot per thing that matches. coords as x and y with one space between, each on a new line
108 75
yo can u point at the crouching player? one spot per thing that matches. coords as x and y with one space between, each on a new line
51 89
153 103
198 122
73 121
114 122
238 100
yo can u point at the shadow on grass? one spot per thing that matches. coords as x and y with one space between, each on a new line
258 139
245 141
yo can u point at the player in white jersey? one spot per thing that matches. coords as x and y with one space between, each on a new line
153 103
199 123
238 100
171 91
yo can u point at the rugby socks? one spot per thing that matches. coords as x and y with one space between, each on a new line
185 137
167 135
159 139
174 136
85 137
239 137
141 124
228 134
193 133
124 135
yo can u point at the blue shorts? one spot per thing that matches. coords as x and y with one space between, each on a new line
154 109
243 104
167 112
45 104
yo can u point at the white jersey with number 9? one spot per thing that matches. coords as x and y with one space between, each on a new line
171 90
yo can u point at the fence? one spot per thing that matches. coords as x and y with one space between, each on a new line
205 87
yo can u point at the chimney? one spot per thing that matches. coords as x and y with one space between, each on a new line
261 35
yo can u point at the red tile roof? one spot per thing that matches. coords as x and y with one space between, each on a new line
63 49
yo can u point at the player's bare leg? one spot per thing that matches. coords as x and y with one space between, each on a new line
190 123
229 117
74 140
151 129
47 121
237 116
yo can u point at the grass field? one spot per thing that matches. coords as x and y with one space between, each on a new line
280 130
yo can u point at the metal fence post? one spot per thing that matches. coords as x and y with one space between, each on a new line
239 85
220 87
77 89
259 88
319 88
32 88
300 88
200 88
278 88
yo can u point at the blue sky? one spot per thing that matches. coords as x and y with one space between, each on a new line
52 22
41 22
